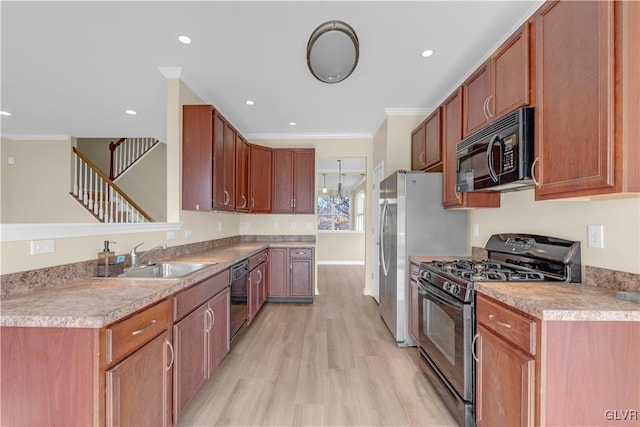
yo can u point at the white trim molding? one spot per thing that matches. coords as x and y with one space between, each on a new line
280 136
22 232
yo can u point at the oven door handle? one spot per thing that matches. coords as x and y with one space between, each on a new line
444 299
492 170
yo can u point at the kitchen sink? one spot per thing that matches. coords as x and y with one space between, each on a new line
164 270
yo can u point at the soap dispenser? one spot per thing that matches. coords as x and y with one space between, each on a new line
106 258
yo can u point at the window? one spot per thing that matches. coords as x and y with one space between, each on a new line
360 211
334 214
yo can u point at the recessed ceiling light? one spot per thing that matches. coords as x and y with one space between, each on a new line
426 53
131 112
5 113
184 39
292 123
250 102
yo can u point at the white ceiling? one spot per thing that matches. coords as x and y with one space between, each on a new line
72 68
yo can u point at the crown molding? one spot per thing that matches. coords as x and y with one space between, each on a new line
171 72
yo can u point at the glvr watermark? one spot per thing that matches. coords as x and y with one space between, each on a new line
621 414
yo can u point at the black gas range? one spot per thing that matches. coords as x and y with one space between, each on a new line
446 306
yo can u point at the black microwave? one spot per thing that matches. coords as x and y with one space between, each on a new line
498 157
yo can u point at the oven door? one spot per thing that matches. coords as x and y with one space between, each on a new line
445 334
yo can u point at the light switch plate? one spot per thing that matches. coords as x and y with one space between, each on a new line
42 247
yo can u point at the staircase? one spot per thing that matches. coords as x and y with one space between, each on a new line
98 193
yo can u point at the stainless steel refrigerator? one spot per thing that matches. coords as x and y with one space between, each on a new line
412 223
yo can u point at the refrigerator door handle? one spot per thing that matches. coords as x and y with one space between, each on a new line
383 217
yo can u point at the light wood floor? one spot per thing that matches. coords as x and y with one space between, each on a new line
333 363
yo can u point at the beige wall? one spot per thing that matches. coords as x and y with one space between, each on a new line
341 248
568 219
36 188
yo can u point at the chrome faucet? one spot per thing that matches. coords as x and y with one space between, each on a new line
135 259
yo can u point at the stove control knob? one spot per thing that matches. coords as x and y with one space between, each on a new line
446 286
454 289
425 274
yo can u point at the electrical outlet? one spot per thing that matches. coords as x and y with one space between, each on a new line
293 225
219 226
595 236
187 234
244 225
42 247
276 226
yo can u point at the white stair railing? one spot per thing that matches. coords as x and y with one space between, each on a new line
100 196
125 152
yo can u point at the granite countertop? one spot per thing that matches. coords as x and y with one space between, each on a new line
95 302
564 301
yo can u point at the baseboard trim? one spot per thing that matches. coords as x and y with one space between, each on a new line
340 262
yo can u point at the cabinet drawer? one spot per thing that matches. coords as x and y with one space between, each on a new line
257 259
193 297
508 324
301 253
128 335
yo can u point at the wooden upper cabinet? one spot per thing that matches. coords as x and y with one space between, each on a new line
242 174
293 181
426 144
197 152
260 166
500 85
476 93
224 144
451 135
304 181
587 100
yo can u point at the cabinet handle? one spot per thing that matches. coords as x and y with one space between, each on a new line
300 253
493 318
457 194
227 197
244 202
145 329
197 207
421 158
489 106
291 202
259 276
253 202
294 202
290 266
266 258
473 347
172 354
533 172
484 108
213 316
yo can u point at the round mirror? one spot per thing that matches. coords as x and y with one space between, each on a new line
332 51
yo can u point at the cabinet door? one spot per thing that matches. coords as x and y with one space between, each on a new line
418 148
301 277
254 294
260 179
242 174
575 99
505 383
264 285
139 388
510 76
283 181
219 338
304 181
278 272
218 195
229 169
191 357
477 89
433 141
197 152
451 135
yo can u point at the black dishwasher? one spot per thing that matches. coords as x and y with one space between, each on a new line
239 278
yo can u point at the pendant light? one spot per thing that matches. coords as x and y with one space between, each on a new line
338 198
324 183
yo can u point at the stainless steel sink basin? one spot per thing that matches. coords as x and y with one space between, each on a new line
166 270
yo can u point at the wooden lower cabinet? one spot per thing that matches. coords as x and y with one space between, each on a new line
505 383
201 344
257 285
291 274
138 389
555 372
